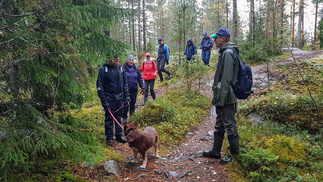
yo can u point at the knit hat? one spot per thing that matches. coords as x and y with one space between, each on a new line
130 56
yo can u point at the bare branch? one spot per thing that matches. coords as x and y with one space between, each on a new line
6 41
18 16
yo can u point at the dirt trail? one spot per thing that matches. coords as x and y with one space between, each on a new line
184 163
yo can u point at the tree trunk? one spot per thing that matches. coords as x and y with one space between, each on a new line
227 12
235 21
144 23
282 6
139 31
293 23
315 24
300 33
133 27
252 21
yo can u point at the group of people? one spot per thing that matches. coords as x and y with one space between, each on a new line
117 88
206 46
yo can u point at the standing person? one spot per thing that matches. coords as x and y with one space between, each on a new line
224 98
190 50
206 45
113 91
163 57
134 78
149 69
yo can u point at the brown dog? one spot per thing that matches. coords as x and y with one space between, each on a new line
141 141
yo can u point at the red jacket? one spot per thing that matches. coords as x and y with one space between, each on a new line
150 70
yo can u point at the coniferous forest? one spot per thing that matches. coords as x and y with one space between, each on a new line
51 119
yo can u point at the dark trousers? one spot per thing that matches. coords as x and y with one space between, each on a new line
225 120
161 68
114 105
149 84
206 56
133 98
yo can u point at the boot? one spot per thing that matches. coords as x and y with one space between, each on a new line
160 77
234 149
217 145
153 95
169 74
121 139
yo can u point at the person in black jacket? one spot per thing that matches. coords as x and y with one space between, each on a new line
113 91
134 78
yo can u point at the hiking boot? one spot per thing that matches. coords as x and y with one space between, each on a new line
160 81
124 121
121 139
169 76
110 142
217 145
234 148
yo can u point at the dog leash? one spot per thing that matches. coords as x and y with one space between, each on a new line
114 118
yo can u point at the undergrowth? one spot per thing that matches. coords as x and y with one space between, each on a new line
173 115
288 145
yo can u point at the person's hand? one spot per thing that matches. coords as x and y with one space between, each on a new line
140 69
142 91
106 105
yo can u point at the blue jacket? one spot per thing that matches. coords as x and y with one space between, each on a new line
190 49
166 49
206 43
112 84
133 77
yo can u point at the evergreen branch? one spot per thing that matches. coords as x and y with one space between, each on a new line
26 40
18 16
6 41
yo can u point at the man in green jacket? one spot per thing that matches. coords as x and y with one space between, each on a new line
224 98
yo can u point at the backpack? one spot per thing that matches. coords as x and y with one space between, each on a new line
242 88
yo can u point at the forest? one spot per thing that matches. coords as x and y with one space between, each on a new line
52 121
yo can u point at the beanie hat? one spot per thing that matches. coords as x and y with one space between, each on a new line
130 56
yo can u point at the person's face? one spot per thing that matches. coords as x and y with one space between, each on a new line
219 41
147 57
115 61
130 61
161 42
204 35
189 43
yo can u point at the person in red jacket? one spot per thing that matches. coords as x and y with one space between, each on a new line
149 69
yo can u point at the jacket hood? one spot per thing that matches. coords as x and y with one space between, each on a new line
229 44
190 40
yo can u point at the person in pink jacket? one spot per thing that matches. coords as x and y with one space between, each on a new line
149 69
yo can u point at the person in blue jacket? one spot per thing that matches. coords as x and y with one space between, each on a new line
134 78
206 45
190 50
113 92
163 57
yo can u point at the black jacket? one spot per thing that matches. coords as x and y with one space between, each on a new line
112 84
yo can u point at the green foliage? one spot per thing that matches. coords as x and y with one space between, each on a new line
173 115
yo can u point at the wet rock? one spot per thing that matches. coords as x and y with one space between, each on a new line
131 157
163 158
256 119
189 134
159 172
173 173
111 167
141 175
142 169
210 133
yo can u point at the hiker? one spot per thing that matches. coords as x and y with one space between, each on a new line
206 45
163 57
113 92
190 50
149 69
224 98
134 78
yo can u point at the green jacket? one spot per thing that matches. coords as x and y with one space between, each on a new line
225 76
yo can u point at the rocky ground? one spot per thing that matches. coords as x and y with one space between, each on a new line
185 162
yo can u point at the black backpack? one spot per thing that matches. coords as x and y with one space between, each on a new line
242 88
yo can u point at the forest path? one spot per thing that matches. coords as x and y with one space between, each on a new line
185 162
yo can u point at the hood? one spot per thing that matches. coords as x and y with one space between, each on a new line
190 40
229 44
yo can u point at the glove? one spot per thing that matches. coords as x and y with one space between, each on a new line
218 108
142 91
105 105
167 62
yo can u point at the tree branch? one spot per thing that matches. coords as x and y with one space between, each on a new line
18 16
